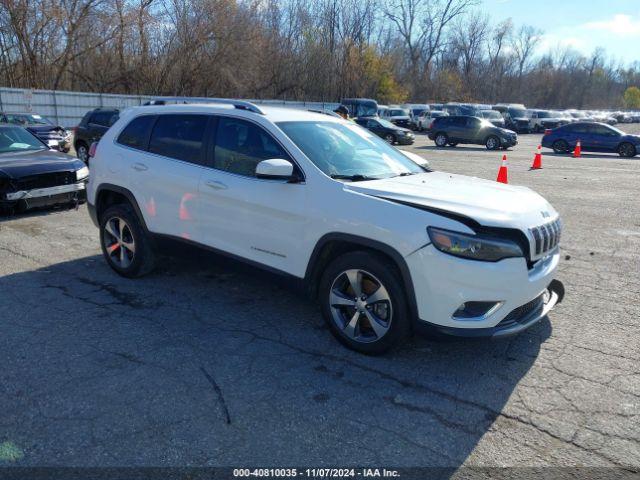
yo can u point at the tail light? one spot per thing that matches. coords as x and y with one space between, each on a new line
92 149
547 131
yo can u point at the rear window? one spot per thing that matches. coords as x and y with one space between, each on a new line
180 137
104 118
136 134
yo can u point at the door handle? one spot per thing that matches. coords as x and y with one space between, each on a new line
215 185
140 167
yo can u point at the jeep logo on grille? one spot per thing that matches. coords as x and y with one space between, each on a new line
545 214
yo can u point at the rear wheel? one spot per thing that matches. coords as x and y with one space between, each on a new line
363 302
492 143
441 140
124 242
627 150
560 146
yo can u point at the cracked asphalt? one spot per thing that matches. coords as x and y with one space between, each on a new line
211 363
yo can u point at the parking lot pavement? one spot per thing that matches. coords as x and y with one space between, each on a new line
209 363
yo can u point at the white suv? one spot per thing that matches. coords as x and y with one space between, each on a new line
384 244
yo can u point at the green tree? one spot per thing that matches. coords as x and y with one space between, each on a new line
631 97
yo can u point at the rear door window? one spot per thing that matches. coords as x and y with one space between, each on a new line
241 145
180 137
102 118
136 134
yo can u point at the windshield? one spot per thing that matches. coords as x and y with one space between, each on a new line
396 112
343 150
386 123
418 111
27 119
618 131
543 114
578 115
517 112
16 139
363 109
491 114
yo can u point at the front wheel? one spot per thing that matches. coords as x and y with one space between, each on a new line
492 143
82 151
362 300
124 243
390 139
627 150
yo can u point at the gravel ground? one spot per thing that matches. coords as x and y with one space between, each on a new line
207 362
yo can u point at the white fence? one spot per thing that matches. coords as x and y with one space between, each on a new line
68 108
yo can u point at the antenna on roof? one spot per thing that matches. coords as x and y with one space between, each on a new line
239 104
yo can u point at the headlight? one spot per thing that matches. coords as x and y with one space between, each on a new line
474 247
82 173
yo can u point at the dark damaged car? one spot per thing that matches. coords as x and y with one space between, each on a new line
53 135
32 175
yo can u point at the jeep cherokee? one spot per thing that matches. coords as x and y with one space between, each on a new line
384 244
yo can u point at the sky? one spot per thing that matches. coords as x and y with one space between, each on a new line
584 25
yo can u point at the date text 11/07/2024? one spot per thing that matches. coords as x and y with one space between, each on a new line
316 472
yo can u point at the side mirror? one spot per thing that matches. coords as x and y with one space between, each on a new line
423 162
275 169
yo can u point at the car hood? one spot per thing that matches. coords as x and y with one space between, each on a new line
43 128
22 164
632 138
487 202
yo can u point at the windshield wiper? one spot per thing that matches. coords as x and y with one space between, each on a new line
353 178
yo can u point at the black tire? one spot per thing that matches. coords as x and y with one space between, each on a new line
492 142
560 146
390 138
441 139
627 150
142 260
382 270
82 151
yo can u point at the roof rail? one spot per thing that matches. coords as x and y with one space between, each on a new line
239 104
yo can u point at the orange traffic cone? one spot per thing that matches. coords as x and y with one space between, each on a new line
502 173
537 159
577 150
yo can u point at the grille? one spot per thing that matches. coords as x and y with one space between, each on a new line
546 237
46 180
523 311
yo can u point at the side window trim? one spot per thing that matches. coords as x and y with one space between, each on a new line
212 142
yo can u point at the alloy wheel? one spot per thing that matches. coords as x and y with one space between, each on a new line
118 242
83 153
441 140
390 139
492 144
360 306
627 150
